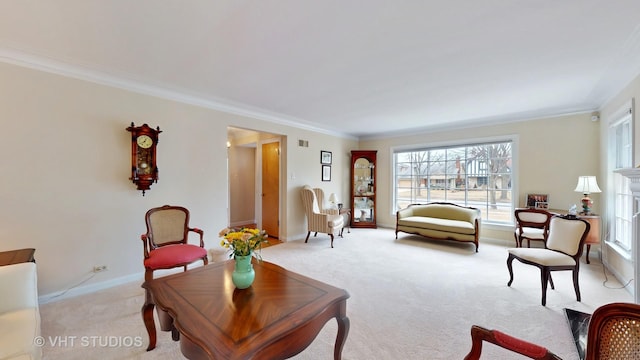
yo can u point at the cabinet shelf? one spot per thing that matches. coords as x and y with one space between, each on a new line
363 188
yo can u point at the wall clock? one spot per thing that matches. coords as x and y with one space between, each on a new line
144 168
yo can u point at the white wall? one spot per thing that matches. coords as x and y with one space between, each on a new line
551 154
65 164
622 267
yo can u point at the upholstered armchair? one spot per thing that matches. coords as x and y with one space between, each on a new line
166 246
321 220
166 240
562 252
613 333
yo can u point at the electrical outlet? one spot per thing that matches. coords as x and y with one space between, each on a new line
99 268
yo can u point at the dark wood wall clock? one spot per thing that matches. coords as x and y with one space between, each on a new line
144 167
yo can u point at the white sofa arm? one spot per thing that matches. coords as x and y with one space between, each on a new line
19 284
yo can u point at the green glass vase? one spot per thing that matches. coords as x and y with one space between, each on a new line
243 273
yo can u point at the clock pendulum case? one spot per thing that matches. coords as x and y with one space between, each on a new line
144 168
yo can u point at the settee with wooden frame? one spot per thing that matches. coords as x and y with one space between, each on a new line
440 221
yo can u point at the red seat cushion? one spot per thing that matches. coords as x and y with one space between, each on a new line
169 256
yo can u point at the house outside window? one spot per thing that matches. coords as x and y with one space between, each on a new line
474 174
620 149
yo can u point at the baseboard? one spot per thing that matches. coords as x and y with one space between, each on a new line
242 223
86 289
619 277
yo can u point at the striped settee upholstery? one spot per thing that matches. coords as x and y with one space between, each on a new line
320 220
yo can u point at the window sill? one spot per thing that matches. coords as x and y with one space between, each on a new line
498 226
618 249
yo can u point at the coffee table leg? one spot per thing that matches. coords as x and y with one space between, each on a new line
343 331
149 323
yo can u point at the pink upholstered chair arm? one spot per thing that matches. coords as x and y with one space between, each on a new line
145 245
201 233
518 345
530 350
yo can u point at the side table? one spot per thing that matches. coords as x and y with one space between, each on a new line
17 256
346 217
593 236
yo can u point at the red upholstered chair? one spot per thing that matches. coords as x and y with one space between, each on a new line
614 333
165 246
165 242
480 334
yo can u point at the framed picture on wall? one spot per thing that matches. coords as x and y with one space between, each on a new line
542 205
325 157
326 173
533 199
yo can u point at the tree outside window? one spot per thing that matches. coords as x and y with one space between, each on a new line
477 175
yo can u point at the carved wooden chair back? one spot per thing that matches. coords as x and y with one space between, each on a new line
614 332
532 225
167 225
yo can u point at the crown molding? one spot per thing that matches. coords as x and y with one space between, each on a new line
481 122
23 59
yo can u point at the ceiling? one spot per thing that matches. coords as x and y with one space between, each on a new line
361 68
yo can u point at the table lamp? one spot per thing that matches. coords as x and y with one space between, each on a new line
587 185
333 199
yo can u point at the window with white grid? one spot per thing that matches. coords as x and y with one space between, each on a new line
620 149
474 174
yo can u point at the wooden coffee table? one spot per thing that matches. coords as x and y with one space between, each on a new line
276 318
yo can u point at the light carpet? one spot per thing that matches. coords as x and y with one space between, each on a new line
410 299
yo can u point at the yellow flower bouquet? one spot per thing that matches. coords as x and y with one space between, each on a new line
243 242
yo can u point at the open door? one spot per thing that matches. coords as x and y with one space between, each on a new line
271 188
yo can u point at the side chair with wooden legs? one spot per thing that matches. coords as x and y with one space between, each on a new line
525 348
613 334
532 225
166 246
562 251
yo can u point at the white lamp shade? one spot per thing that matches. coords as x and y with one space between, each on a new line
587 185
333 198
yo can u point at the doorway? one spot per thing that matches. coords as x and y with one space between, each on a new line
254 179
271 188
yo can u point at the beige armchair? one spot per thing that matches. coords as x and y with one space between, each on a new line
321 220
